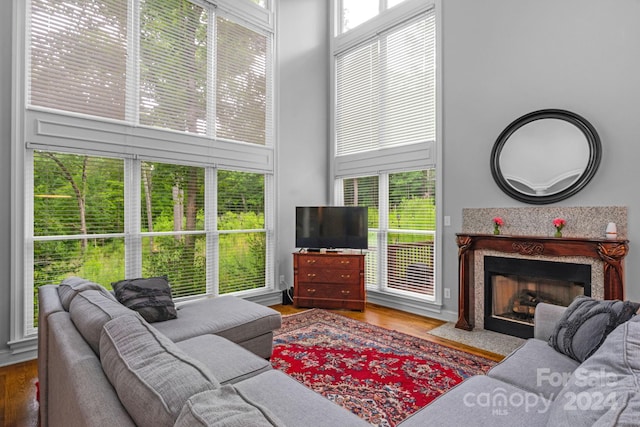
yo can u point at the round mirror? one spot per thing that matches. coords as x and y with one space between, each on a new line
545 156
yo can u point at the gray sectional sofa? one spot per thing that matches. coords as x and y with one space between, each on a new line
101 364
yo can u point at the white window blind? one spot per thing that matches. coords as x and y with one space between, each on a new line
386 89
172 224
364 191
243 237
173 65
241 83
401 209
78 220
411 232
78 56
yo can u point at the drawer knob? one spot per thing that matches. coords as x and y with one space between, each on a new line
345 292
345 276
342 261
311 261
311 290
311 275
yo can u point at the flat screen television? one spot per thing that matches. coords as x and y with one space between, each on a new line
331 227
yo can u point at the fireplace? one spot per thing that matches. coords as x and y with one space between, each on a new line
514 286
604 256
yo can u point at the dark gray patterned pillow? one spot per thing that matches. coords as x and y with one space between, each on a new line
586 323
151 297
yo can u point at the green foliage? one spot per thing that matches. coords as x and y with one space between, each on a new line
413 214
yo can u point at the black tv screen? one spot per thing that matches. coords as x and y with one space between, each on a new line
330 227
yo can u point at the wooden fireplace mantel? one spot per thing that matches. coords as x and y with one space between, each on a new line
610 252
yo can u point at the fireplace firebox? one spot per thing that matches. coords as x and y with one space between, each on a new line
514 286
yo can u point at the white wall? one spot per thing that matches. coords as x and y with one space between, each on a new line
505 58
302 158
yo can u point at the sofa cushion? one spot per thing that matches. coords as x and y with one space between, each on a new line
483 401
605 389
72 286
227 361
586 323
223 407
294 404
535 367
152 377
151 297
236 319
90 310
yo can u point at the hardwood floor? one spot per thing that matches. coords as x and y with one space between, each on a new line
18 404
19 407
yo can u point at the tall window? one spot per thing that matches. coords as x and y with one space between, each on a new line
147 146
385 118
402 225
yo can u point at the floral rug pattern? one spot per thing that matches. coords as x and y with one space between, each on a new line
381 375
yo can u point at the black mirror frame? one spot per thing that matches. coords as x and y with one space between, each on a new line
595 154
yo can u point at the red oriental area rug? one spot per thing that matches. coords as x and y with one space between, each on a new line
381 375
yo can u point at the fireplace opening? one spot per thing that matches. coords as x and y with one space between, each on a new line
514 286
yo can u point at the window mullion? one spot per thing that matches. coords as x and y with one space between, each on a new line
211 77
132 94
211 227
383 224
132 226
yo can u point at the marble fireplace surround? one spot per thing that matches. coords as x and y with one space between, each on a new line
533 226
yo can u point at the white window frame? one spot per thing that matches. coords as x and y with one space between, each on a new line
397 159
39 128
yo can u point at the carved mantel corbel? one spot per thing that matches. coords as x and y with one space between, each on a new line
612 254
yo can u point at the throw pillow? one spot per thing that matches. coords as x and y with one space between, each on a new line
604 391
586 323
151 297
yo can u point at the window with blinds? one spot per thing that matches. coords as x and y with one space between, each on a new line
241 83
385 138
172 64
173 227
78 59
411 232
80 218
241 224
386 89
364 191
136 171
402 225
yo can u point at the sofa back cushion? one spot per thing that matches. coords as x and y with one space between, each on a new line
224 407
72 286
90 310
605 389
153 378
